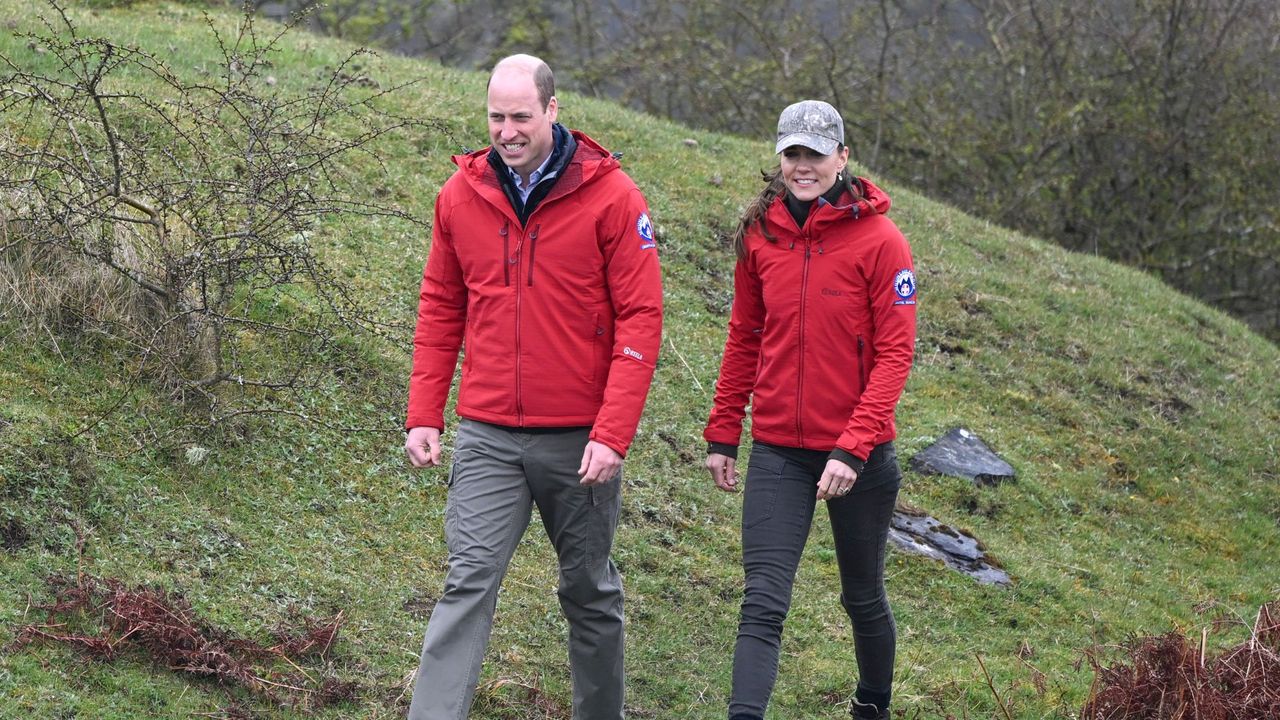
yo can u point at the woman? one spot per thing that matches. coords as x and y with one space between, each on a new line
820 342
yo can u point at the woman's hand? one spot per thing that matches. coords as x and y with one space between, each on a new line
723 471
837 480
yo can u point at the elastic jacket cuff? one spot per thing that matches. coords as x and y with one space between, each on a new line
723 449
849 459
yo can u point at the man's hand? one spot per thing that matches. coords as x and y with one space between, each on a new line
599 463
422 444
723 471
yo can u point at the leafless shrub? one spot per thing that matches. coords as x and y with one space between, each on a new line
175 215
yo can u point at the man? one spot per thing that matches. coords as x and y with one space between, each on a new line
543 264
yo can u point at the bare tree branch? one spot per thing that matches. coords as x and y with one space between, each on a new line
195 205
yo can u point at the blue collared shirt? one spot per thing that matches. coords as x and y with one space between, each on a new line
535 177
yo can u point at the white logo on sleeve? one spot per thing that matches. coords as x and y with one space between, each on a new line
904 285
644 228
633 353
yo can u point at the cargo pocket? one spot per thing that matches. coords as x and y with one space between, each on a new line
605 492
451 501
605 504
881 469
451 510
453 472
764 476
882 456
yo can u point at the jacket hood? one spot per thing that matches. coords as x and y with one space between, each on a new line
877 200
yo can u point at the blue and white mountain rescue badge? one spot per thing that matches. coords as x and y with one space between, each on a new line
904 286
644 229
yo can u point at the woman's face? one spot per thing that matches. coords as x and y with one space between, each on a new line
808 174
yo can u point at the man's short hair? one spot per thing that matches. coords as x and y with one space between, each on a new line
543 79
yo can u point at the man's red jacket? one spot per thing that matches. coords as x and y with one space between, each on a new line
822 331
561 318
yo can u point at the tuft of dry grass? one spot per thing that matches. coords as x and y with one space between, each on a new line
164 627
1168 677
507 697
49 288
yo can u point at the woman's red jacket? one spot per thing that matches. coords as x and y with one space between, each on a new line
822 330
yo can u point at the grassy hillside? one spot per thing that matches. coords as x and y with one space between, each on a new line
1143 426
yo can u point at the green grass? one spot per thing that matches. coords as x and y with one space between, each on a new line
1142 424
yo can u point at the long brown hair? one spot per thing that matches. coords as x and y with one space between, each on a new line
773 188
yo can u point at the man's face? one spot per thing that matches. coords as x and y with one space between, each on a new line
519 127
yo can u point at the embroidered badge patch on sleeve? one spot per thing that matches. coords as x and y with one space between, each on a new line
644 229
904 286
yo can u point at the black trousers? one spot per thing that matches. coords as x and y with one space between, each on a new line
777 512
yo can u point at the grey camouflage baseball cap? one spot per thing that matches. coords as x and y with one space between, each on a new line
811 123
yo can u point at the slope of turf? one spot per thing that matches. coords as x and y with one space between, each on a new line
1143 426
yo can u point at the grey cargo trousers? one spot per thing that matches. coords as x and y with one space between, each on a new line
498 474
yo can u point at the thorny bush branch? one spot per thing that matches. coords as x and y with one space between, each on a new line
200 199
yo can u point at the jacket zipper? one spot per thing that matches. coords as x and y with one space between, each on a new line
519 400
804 286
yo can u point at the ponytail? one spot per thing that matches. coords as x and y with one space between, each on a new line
773 188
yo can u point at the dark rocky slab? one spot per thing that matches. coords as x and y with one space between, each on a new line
960 453
921 534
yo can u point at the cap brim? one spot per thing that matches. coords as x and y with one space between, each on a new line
820 144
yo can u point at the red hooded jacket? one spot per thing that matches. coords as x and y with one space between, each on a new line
561 318
822 331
